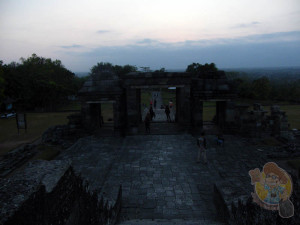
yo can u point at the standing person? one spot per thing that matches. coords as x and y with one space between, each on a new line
167 111
201 142
154 103
152 114
151 103
147 122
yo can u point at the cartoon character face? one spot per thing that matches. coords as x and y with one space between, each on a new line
272 188
272 180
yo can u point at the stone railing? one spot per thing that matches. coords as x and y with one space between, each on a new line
51 193
15 158
240 210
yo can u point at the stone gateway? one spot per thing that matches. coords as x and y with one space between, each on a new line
124 92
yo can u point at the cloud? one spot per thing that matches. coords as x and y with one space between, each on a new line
102 31
265 50
273 37
147 41
246 25
74 46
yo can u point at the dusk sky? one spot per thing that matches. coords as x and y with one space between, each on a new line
154 33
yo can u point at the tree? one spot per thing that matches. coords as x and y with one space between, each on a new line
196 68
38 82
261 88
243 87
105 67
2 82
161 70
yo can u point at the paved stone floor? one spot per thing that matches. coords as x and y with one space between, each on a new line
160 178
159 174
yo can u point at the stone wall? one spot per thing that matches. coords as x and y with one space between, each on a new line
242 211
15 158
63 135
51 193
255 122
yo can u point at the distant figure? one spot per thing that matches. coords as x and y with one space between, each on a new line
154 103
167 111
147 122
150 103
201 142
220 140
152 113
170 103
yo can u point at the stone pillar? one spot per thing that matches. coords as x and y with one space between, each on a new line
177 104
133 106
221 113
197 114
91 115
118 120
184 106
85 115
95 112
138 96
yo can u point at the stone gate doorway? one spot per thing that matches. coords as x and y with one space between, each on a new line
125 93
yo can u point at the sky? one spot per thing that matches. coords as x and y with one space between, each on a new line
167 34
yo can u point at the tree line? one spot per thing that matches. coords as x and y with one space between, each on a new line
284 88
37 82
43 83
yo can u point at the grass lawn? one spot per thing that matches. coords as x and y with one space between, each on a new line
209 111
37 123
168 94
146 97
293 115
71 106
107 112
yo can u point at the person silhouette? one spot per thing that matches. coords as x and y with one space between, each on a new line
167 111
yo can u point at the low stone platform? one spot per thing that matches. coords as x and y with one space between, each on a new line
170 222
49 192
160 176
93 158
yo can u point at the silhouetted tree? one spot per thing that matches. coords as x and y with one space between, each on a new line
1 82
161 70
261 88
196 68
38 82
119 70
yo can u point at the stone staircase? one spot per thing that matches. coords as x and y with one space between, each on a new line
170 222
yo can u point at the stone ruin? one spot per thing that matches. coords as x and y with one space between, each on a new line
238 209
124 92
256 122
58 195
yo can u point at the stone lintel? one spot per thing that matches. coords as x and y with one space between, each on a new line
101 101
156 86
215 100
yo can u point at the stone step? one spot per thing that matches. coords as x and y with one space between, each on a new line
170 222
163 128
